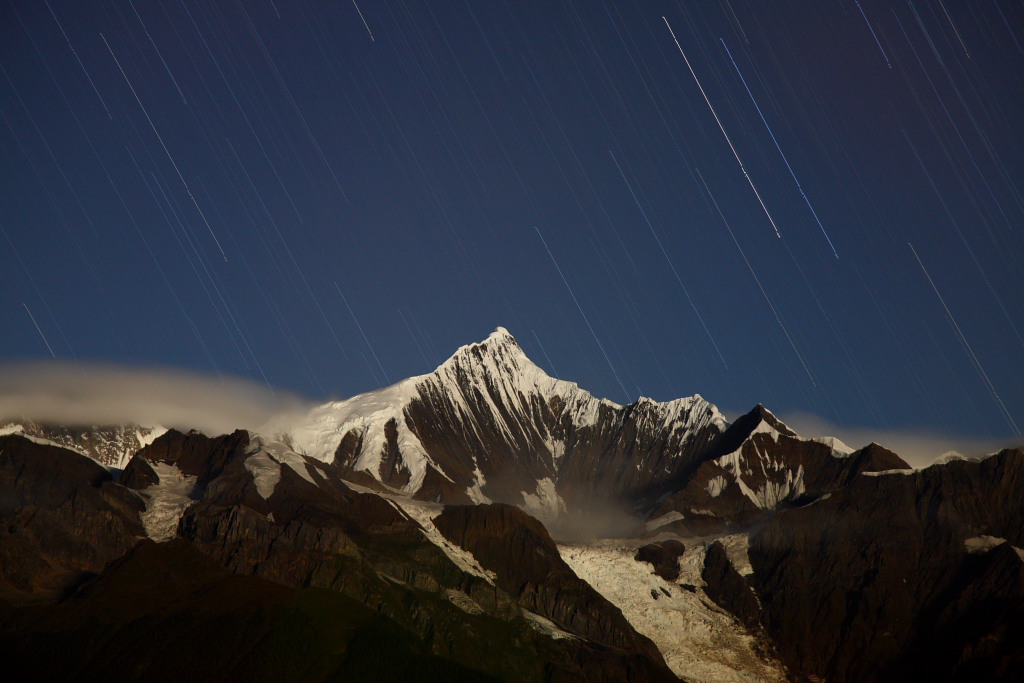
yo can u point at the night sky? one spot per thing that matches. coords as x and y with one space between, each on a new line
815 205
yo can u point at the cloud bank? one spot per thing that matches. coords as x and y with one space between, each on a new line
919 448
94 394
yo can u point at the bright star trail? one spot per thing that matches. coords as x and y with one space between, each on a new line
327 196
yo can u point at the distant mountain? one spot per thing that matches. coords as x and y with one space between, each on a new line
109 445
489 522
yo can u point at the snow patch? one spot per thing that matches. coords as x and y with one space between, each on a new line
546 626
322 429
20 431
839 449
953 456
885 472
736 548
824 496
266 473
463 601
280 453
147 435
475 492
264 461
46 442
716 486
772 493
764 428
982 544
660 521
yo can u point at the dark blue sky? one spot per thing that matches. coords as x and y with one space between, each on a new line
329 197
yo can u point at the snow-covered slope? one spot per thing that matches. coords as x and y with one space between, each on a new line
320 432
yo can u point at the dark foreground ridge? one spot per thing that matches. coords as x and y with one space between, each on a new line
165 612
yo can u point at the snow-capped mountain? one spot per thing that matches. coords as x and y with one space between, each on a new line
490 425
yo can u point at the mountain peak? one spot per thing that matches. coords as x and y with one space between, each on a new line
500 338
763 415
499 350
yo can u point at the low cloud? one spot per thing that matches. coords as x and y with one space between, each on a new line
92 394
918 447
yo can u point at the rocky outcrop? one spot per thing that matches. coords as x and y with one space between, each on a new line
865 582
663 556
728 589
971 632
61 518
193 454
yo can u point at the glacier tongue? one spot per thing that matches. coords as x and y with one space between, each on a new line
166 501
699 641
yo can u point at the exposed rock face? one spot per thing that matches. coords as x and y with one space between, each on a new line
109 445
663 556
972 632
864 583
61 517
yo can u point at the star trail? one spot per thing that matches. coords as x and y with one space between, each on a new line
657 198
